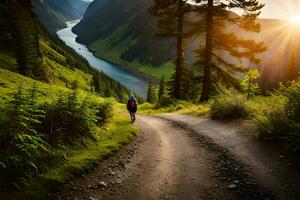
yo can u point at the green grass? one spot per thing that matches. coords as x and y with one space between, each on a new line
260 104
80 159
257 107
46 49
64 76
167 69
9 81
229 107
180 107
61 76
114 56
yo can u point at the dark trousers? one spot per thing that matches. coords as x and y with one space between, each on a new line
132 116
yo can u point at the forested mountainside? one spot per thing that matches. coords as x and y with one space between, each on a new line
54 13
126 31
127 37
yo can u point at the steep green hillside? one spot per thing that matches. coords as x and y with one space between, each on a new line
66 70
56 126
54 13
61 161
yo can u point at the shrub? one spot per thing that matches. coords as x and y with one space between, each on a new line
67 118
229 107
104 111
146 106
179 105
21 145
28 130
292 106
282 123
273 123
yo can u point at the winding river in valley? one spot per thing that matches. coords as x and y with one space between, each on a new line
129 79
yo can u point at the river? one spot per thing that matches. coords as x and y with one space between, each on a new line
129 79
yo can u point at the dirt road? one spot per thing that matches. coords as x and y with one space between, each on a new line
182 157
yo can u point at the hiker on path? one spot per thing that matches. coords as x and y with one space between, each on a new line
132 107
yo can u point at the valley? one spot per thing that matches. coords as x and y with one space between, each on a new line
132 80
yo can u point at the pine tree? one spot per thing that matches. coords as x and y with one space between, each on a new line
95 83
215 17
161 87
190 86
170 23
150 92
23 27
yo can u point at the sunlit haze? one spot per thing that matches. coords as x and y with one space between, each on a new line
295 20
280 9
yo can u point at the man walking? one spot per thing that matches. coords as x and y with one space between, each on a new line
132 107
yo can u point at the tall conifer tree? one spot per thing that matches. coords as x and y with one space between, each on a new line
23 26
215 17
170 23
150 92
161 87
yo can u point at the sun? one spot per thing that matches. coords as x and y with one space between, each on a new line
295 20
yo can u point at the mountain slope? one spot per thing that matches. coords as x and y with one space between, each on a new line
54 13
70 80
65 69
126 33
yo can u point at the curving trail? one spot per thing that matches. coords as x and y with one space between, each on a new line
182 157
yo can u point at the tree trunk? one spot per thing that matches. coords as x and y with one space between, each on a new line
180 52
206 83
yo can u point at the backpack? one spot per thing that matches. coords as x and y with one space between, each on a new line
133 104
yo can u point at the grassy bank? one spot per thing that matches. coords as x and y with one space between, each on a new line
79 159
35 164
70 160
179 107
256 107
9 81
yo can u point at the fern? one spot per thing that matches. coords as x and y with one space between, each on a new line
23 145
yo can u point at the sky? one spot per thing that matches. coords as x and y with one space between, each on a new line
278 9
282 9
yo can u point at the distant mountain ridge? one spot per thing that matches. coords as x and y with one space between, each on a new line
54 13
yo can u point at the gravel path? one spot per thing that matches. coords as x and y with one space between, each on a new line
182 157
268 165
